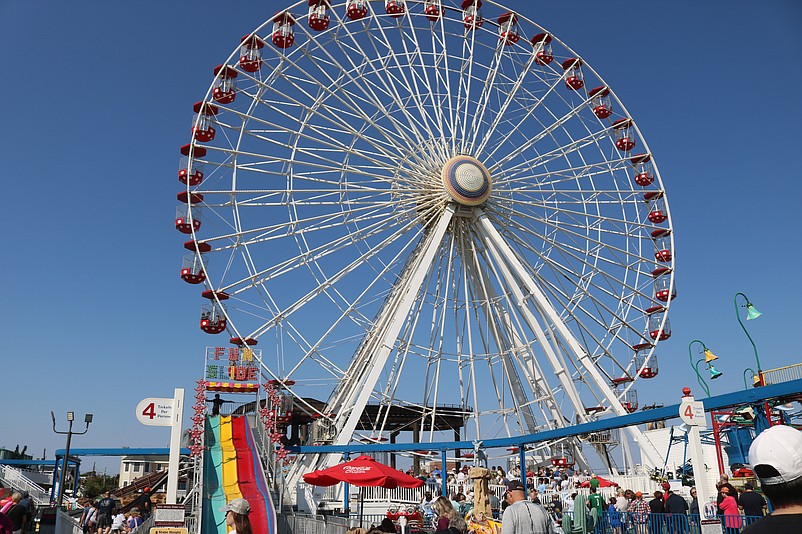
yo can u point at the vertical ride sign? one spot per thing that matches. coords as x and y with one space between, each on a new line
166 412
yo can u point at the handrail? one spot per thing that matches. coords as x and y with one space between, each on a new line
783 374
15 478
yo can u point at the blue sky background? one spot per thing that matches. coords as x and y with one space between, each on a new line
98 98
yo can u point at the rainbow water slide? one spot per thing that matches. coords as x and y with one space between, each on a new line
231 469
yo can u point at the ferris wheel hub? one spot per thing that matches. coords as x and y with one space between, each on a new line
467 180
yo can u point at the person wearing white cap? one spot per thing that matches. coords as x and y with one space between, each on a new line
237 512
776 458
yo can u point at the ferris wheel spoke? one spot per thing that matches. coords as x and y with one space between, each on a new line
314 154
328 133
578 255
464 96
422 73
593 138
375 212
291 308
410 83
315 255
532 109
483 99
376 75
334 89
500 113
572 174
584 219
440 57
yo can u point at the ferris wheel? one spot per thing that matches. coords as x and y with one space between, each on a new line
424 204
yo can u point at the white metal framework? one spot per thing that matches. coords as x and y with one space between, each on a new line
428 205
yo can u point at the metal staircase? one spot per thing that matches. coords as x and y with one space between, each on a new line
15 478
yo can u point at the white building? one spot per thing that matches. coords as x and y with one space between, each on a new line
135 466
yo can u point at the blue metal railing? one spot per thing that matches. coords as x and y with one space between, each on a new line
632 523
620 523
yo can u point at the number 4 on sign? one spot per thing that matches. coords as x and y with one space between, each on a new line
692 413
155 412
150 411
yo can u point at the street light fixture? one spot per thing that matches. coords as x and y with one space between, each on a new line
708 359
66 459
751 313
755 378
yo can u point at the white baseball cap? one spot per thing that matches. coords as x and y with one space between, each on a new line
776 455
238 505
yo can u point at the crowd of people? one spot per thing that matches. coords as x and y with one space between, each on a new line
548 502
104 516
17 513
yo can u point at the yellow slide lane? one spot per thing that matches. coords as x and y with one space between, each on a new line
230 481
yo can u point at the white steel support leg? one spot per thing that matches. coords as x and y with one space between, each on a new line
515 344
370 360
648 450
534 325
508 343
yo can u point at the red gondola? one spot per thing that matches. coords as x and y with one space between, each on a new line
433 10
663 289
472 14
250 53
283 33
319 17
644 170
600 102
195 176
182 219
192 270
213 320
224 90
202 122
662 245
645 369
624 135
658 330
508 31
543 53
657 206
356 9
573 73
395 8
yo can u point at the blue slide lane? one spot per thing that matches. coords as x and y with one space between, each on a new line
214 497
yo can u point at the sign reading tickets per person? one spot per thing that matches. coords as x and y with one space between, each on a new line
239 364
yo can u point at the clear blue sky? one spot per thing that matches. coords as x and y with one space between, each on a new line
98 99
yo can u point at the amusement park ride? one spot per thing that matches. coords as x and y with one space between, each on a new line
435 219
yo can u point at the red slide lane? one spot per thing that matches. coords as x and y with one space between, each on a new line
247 480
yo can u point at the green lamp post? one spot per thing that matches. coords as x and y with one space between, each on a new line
751 313
708 359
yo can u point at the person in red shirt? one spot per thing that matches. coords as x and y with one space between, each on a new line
732 515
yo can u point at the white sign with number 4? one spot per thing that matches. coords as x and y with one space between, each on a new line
692 413
155 412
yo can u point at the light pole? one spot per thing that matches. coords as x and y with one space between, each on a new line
751 313
709 358
755 378
66 459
